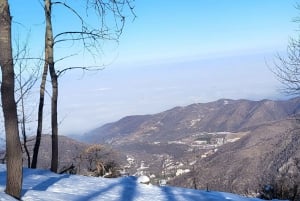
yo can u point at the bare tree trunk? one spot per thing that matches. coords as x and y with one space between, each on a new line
50 60
23 128
40 116
54 124
13 144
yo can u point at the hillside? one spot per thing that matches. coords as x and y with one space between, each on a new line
247 164
68 150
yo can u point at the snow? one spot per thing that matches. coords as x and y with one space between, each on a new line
42 185
143 179
226 102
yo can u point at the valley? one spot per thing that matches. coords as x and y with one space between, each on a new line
167 160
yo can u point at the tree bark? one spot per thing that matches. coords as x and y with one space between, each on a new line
50 60
13 144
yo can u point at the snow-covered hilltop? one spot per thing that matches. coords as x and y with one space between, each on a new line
42 185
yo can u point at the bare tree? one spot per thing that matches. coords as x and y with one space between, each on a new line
49 59
287 68
25 78
90 37
40 116
13 144
285 184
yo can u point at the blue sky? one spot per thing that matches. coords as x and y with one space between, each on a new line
173 53
193 28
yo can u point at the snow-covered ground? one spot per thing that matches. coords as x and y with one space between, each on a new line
42 185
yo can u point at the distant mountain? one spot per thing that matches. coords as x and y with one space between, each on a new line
219 116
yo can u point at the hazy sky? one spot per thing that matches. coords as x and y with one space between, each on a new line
174 53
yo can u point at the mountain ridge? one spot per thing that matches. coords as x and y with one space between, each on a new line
217 116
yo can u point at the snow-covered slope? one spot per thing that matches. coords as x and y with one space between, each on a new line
42 185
